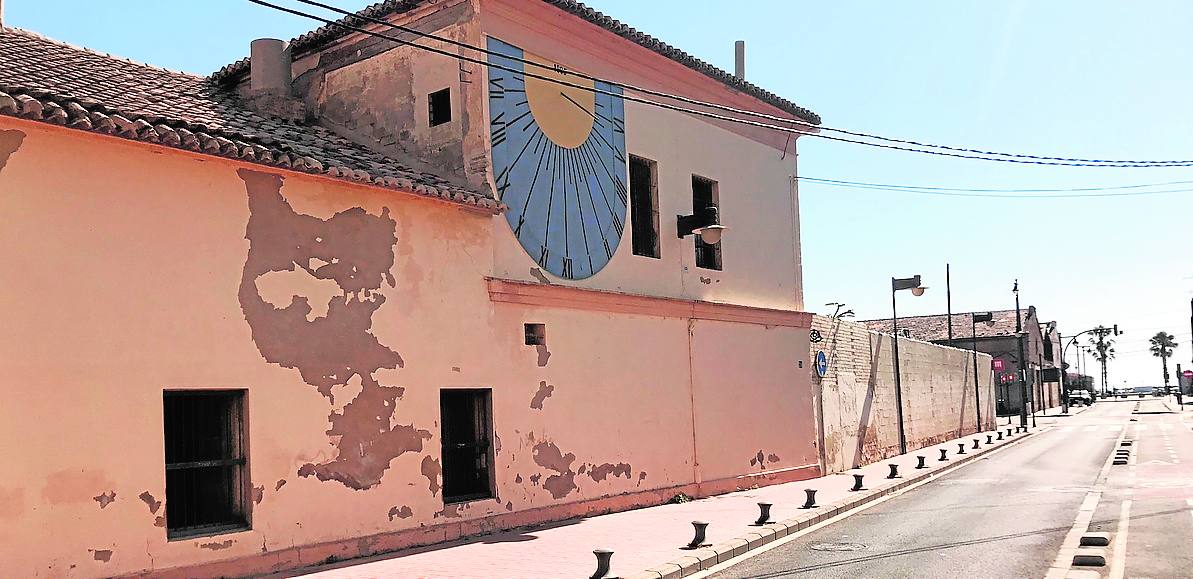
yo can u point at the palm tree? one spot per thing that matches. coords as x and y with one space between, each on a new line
1162 345
1103 349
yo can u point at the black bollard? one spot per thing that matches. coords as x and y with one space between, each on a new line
989 439
810 503
894 471
701 528
763 513
1009 433
857 483
1000 435
975 444
921 460
961 448
604 560
944 455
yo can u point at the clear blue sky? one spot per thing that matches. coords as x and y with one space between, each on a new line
1081 78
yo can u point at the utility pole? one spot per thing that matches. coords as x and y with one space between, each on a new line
948 301
1064 393
1022 374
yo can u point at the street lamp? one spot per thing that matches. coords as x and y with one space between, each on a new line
974 318
1022 374
917 289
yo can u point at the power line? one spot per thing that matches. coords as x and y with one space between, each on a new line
969 189
718 106
1003 195
915 148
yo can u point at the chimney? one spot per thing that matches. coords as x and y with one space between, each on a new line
1 13
269 68
739 64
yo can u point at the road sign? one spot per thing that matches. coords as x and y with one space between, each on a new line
1188 374
821 364
998 367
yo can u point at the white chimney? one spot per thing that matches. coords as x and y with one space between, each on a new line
269 67
739 68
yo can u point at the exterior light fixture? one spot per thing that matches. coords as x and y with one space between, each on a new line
917 289
706 224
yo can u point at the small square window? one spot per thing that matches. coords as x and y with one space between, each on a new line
440 104
206 471
536 335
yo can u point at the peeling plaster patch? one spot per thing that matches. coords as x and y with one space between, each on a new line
544 355
534 479
599 473
537 273
106 499
641 477
160 522
432 469
509 505
543 393
452 510
705 280
582 468
548 456
518 479
355 250
402 513
10 141
455 368
281 483
217 546
772 458
151 502
258 494
496 444
284 288
104 555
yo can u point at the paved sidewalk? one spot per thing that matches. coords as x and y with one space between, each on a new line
644 538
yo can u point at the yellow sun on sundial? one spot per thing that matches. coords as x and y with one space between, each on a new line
564 113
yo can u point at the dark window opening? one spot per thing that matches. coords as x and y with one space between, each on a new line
704 195
644 207
536 335
206 471
465 416
440 103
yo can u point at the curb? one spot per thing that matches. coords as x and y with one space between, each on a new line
706 557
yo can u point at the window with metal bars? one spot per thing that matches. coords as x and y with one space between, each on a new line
206 471
466 418
644 207
705 195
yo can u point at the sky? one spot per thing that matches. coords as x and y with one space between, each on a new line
1088 78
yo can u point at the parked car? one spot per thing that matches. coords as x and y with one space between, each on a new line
1080 398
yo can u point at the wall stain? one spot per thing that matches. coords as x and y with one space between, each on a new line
12 503
104 555
544 355
402 513
281 483
106 499
548 456
543 393
432 469
151 502
10 141
599 473
217 546
74 485
355 250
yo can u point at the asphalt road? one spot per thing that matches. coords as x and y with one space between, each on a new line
1005 515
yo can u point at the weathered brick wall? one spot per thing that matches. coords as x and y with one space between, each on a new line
856 408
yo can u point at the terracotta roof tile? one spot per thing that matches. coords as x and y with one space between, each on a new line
49 81
328 33
934 328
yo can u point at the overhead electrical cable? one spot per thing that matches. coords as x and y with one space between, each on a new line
968 189
1026 160
718 106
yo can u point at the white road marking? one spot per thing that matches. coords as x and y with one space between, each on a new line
1090 428
1115 427
1118 561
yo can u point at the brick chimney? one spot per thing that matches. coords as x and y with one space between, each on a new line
270 79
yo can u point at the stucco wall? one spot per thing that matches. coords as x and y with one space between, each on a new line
859 420
133 269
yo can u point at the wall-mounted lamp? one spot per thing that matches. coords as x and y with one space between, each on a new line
706 224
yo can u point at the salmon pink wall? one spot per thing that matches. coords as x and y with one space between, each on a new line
133 269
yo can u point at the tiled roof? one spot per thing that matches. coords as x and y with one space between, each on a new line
49 81
935 328
329 33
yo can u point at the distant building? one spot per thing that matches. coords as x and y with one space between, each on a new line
1041 349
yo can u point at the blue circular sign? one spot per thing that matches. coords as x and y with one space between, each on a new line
821 364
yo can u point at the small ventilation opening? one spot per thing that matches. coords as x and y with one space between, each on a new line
440 103
536 335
